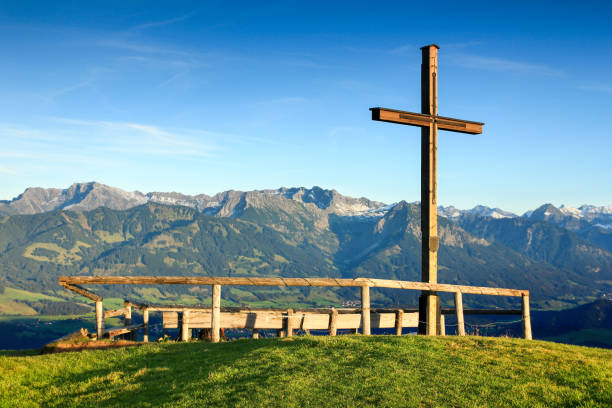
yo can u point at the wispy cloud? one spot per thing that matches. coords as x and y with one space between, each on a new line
597 87
287 100
142 138
140 47
506 65
6 170
461 45
162 23
98 142
402 49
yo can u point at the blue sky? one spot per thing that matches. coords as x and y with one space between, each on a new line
208 96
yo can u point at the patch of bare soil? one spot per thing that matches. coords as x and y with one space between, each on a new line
71 345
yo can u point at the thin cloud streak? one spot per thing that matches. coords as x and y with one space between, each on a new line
162 23
80 137
596 88
6 170
402 49
504 65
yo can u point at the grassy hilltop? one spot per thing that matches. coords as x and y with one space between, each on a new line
315 371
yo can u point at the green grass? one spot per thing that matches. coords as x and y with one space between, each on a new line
349 371
11 301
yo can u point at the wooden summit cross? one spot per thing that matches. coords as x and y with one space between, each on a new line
429 122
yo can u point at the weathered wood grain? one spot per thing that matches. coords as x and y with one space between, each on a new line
145 323
526 318
399 322
117 331
459 311
255 281
99 318
216 314
115 313
333 322
81 291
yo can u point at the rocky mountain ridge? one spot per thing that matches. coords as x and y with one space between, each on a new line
91 195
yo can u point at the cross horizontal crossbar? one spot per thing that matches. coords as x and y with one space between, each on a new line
422 120
70 281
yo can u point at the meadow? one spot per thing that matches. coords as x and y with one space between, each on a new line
385 371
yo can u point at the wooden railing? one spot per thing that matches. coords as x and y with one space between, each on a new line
215 318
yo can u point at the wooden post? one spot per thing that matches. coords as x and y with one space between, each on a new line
365 310
216 314
431 307
429 301
127 320
526 318
442 325
185 326
290 323
99 319
145 321
127 316
333 322
399 322
459 312
255 333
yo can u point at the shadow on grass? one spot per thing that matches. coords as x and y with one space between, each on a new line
20 353
161 374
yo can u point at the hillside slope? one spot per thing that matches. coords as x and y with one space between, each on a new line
272 235
320 372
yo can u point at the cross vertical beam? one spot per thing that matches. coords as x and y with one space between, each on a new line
429 301
429 122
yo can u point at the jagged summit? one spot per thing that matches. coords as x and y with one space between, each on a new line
78 197
232 203
479 210
91 195
573 218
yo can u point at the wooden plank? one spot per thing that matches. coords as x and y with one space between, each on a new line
426 120
357 282
170 320
526 318
365 310
99 318
442 287
114 313
304 321
216 313
81 291
411 320
315 321
116 331
240 320
349 321
483 312
459 311
382 320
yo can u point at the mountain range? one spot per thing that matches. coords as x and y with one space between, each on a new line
563 255
91 195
